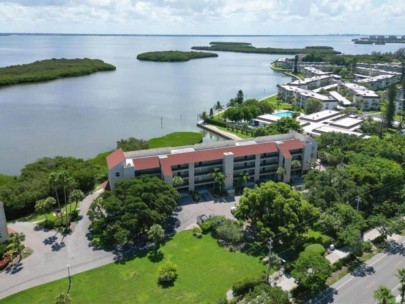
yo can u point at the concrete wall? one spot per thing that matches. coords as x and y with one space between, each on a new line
228 170
112 174
3 224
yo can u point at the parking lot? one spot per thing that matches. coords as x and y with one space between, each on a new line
189 210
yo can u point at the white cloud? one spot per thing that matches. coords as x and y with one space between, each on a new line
204 16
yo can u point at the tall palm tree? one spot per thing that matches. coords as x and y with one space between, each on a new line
218 106
401 276
54 183
177 181
17 243
219 178
66 182
295 164
280 172
383 295
75 196
244 177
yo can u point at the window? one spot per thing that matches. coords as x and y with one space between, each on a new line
117 174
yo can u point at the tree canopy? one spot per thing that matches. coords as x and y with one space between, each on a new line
274 208
132 144
21 194
312 105
131 209
311 271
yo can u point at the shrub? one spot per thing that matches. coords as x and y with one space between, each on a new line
206 226
242 287
366 246
197 232
195 195
315 248
212 121
49 224
74 215
167 272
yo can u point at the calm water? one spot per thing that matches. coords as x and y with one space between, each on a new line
84 116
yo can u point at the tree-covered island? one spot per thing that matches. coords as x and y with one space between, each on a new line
51 69
244 47
174 56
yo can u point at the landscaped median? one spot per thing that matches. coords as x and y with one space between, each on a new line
205 272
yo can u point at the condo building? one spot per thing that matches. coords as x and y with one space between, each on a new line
259 157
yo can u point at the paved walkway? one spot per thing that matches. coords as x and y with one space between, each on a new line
215 130
52 253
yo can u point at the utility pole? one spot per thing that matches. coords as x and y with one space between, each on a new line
161 122
269 261
70 279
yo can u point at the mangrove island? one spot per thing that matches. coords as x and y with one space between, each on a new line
174 56
51 69
244 47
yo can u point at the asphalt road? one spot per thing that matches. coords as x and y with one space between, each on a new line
358 286
52 252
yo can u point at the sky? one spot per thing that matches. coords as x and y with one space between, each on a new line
204 17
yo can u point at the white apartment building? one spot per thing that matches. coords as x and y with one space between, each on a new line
379 82
313 82
259 157
364 98
294 94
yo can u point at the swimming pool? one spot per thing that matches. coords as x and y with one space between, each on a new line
284 114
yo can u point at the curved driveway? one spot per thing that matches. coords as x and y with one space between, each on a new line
52 253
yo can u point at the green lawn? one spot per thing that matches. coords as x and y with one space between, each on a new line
170 140
5 179
278 104
34 217
241 135
176 139
205 272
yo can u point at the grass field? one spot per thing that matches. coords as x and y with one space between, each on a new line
5 179
170 140
241 135
175 139
278 104
205 272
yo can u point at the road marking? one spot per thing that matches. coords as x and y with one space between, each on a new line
396 287
372 283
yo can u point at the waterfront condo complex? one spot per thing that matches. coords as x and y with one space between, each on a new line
259 157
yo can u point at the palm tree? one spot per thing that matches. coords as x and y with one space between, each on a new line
16 242
218 106
280 172
54 183
295 164
244 177
177 181
75 196
66 182
219 178
156 234
63 299
401 276
383 295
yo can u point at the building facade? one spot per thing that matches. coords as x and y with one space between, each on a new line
3 224
259 157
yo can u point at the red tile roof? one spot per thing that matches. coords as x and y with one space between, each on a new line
146 163
115 158
213 154
287 146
